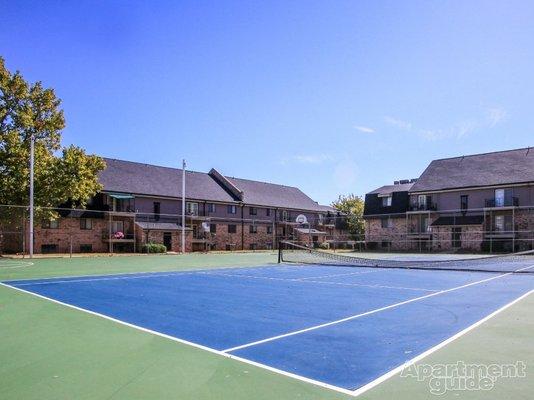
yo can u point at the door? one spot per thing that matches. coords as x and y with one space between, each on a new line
456 237
167 240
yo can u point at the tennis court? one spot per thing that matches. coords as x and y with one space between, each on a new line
332 325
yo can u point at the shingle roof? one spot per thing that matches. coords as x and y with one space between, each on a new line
400 187
270 194
488 169
138 178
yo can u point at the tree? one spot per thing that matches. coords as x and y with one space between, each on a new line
62 174
352 206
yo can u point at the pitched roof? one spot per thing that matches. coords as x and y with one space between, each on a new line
488 169
388 189
139 178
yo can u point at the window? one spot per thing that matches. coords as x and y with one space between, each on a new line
269 229
191 208
86 224
232 228
86 248
499 197
253 246
228 247
424 227
211 207
421 200
285 215
253 229
500 223
267 212
117 226
49 248
253 211
50 224
386 201
232 209
386 222
157 210
464 202
385 244
213 228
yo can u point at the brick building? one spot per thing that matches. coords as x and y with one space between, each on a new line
142 203
481 202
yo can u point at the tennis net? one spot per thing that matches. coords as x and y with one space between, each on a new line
522 262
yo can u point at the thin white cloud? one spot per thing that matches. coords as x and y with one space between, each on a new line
491 118
495 116
398 123
307 159
364 129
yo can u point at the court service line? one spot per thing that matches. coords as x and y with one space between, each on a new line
399 369
299 280
377 310
188 343
336 275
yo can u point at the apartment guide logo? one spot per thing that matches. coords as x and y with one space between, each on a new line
461 376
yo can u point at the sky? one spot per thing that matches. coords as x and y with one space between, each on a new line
334 97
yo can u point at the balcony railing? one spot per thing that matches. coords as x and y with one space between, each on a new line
419 230
507 202
423 207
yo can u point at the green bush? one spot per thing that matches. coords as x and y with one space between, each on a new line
324 246
154 248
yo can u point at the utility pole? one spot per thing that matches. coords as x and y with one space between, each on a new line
32 156
183 206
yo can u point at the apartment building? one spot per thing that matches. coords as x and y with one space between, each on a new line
142 203
481 202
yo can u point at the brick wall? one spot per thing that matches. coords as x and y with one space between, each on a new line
156 236
471 238
69 231
393 238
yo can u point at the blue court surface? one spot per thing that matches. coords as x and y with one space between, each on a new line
342 326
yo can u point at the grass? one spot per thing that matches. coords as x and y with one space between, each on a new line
49 351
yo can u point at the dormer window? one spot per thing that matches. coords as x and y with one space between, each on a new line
386 201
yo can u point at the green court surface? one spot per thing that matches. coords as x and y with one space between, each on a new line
49 351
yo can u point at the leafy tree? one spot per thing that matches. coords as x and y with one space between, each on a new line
352 206
62 174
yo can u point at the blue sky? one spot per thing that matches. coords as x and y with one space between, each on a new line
333 97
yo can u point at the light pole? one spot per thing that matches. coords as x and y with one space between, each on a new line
183 206
32 156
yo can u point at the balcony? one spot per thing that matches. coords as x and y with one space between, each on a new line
423 207
419 232
327 222
499 202
118 237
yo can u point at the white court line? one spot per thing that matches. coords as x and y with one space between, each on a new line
299 280
128 275
18 264
399 369
263 366
336 275
198 346
377 310
105 278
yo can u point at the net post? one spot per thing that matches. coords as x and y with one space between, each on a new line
279 251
